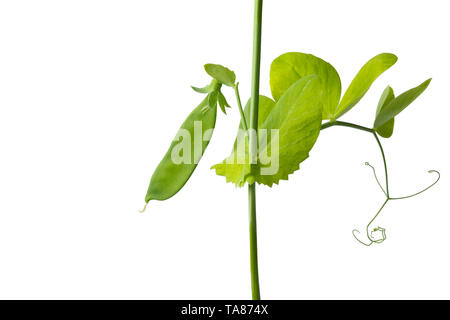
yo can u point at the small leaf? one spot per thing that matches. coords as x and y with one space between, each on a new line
297 116
222 105
397 105
221 74
386 97
363 81
291 67
212 99
223 102
206 89
387 129
213 86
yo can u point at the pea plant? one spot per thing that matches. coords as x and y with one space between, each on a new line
276 135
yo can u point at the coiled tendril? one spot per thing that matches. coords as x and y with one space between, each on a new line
371 235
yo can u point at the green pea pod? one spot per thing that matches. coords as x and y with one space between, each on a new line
184 153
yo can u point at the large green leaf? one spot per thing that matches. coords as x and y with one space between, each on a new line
398 104
297 118
290 67
363 80
265 107
386 130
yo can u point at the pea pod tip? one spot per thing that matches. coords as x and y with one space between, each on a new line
145 207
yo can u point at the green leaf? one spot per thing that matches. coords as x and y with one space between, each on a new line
223 103
386 97
206 89
213 86
386 130
290 67
397 105
212 99
363 80
266 106
297 117
221 74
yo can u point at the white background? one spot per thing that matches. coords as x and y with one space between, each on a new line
91 94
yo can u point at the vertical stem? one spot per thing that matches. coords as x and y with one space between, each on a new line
254 146
253 242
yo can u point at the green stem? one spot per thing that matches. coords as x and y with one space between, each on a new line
358 127
253 242
373 219
422 191
345 124
256 68
384 161
239 103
